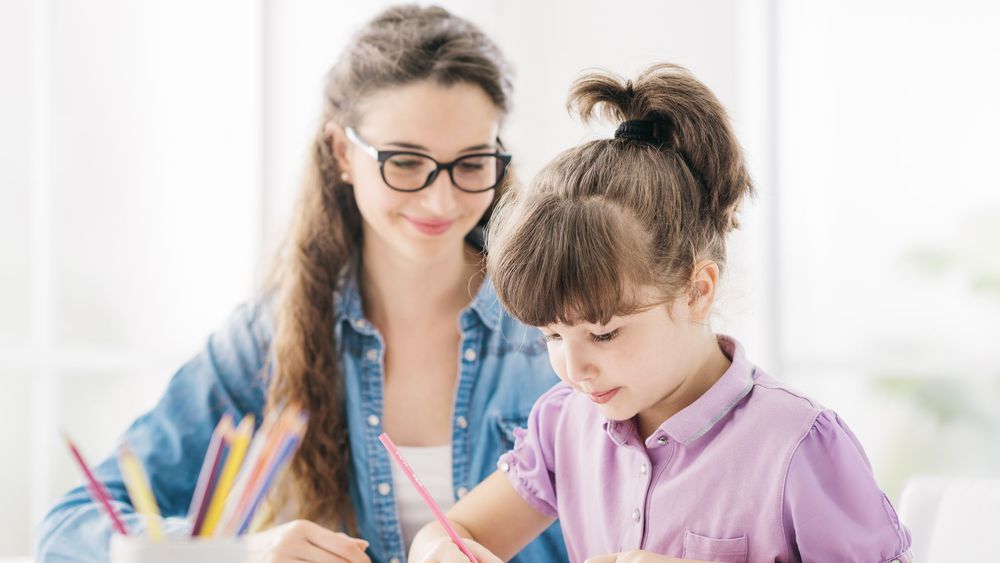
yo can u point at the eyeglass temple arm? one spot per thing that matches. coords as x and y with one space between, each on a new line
352 135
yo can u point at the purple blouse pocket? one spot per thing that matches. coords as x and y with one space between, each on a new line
733 550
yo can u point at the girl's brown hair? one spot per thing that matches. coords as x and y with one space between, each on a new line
400 46
613 216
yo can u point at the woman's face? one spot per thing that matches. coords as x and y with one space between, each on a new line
444 122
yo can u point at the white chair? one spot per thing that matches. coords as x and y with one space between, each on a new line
951 519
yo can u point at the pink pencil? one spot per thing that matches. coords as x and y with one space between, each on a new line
438 514
96 489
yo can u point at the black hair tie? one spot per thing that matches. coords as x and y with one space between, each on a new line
638 130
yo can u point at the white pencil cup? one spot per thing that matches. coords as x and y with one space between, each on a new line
141 549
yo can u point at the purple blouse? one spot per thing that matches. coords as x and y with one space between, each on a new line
751 471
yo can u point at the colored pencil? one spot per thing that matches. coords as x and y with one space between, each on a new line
214 459
240 443
137 483
289 445
214 443
426 496
237 496
96 489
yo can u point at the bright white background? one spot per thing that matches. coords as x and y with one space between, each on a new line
150 153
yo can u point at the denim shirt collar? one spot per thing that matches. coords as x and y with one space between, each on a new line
487 305
347 301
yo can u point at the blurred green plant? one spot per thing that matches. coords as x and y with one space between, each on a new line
950 423
974 255
941 399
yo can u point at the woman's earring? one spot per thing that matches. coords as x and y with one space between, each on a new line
344 176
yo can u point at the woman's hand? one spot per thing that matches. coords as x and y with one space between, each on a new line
445 551
302 540
637 556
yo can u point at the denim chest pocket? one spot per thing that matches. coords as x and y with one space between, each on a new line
732 550
506 426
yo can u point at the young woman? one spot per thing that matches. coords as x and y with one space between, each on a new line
663 441
379 318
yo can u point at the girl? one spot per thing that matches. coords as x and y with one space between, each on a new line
663 441
379 318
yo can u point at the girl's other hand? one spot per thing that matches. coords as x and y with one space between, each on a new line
445 551
302 540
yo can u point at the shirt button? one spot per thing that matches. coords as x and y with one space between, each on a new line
373 354
462 491
372 420
470 355
394 560
362 324
461 422
384 489
636 515
662 440
643 469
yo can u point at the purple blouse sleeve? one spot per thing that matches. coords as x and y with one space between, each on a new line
530 466
833 508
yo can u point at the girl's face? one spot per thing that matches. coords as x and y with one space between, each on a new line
444 122
642 364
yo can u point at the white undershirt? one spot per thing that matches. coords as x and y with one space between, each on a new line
432 465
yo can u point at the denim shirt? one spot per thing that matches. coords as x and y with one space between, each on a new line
503 369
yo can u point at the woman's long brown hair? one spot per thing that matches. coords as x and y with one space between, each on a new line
402 45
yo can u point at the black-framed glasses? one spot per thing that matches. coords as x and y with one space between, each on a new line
409 171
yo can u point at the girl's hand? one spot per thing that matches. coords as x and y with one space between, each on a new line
445 551
302 540
637 556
